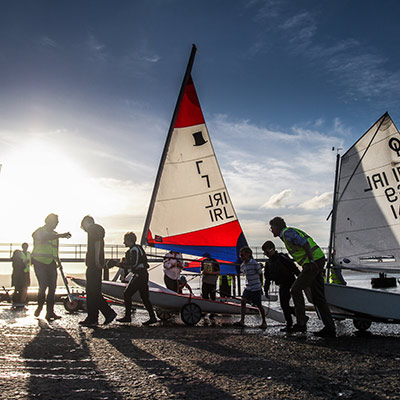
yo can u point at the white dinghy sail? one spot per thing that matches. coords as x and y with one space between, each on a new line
190 209
367 229
365 233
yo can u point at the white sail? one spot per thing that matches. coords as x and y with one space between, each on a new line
367 229
190 210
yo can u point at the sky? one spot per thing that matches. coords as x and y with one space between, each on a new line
88 88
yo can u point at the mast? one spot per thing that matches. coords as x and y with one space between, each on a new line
167 143
333 212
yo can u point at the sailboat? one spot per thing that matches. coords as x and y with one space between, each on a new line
365 225
190 211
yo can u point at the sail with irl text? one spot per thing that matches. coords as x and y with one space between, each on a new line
191 211
367 231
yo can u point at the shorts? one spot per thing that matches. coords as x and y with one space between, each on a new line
253 297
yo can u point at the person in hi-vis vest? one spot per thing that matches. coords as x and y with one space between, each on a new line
312 259
45 261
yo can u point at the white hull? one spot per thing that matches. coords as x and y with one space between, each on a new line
168 300
376 304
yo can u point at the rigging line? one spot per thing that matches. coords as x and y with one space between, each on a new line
365 152
156 266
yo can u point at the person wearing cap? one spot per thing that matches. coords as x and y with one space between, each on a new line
283 271
182 283
311 258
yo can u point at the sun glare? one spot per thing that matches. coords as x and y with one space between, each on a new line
39 179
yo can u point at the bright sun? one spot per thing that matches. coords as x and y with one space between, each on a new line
39 179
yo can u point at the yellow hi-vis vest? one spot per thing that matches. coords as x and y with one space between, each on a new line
26 259
44 251
229 280
298 252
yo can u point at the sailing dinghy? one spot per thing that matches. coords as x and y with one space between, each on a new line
190 212
365 229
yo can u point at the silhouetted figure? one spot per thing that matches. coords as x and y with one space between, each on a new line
95 301
46 260
20 278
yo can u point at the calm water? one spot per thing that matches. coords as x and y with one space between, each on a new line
156 275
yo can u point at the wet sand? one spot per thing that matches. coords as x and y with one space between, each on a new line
61 360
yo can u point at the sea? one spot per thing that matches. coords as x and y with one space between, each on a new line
77 269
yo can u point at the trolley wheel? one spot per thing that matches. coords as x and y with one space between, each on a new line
361 324
191 314
163 314
71 306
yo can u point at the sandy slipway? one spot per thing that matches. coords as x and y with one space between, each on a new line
61 360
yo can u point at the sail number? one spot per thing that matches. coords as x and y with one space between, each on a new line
381 181
217 202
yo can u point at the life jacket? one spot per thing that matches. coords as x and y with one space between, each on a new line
44 251
26 259
140 263
335 277
298 252
229 279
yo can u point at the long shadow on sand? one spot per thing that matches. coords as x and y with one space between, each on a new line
60 368
178 383
299 376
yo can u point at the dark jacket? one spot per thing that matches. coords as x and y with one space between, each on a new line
281 269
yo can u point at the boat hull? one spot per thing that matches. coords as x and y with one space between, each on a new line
375 304
168 300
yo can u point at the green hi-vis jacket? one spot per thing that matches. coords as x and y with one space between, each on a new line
44 251
26 259
298 252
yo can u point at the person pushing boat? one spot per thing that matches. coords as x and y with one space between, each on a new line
312 259
135 260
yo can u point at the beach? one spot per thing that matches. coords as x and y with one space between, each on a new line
62 360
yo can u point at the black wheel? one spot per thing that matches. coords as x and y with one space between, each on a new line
191 314
163 314
361 324
71 306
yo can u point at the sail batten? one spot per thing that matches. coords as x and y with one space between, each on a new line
191 210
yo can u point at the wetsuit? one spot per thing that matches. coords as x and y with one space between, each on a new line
136 262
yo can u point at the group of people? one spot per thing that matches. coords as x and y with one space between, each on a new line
279 268
292 282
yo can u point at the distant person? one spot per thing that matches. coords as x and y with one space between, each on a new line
283 271
253 291
45 260
225 285
172 267
135 261
20 278
310 256
210 271
182 284
95 301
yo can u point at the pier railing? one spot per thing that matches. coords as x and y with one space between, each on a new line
77 252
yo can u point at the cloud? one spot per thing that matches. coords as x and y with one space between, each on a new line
321 201
46 42
96 48
278 200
